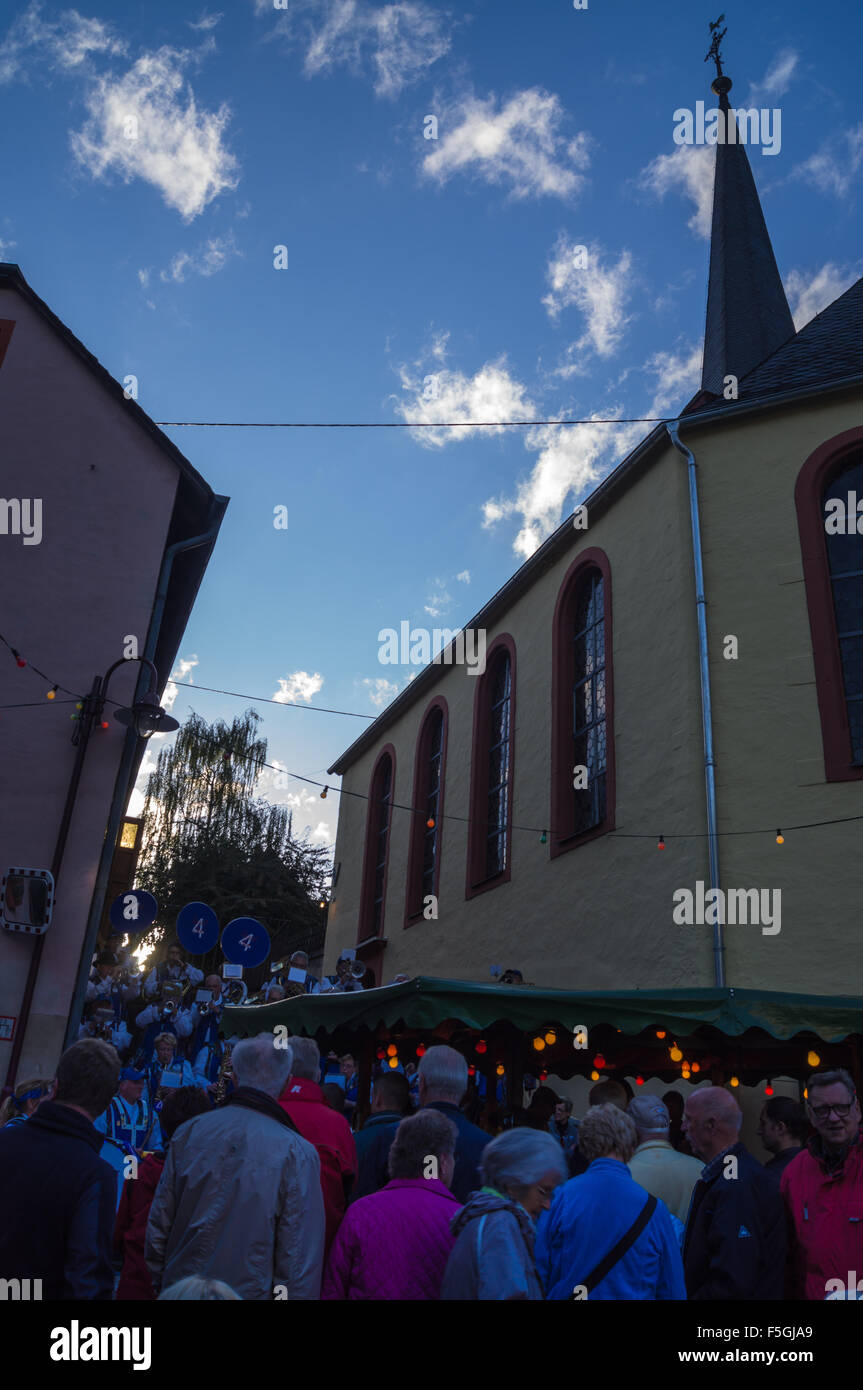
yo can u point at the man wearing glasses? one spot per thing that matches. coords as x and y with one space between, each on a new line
823 1192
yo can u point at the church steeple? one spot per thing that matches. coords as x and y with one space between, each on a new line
747 313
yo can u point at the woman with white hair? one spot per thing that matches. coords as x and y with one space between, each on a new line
493 1255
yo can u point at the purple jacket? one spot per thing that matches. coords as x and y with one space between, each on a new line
393 1244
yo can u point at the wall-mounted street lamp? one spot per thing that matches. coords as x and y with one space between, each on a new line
146 716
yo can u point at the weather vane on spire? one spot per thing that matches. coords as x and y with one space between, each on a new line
717 35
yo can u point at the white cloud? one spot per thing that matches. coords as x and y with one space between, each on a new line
147 125
519 145
463 577
688 170
209 258
776 80
394 44
809 293
677 377
381 691
65 41
6 246
571 460
599 293
832 169
298 686
205 23
438 601
445 395
180 672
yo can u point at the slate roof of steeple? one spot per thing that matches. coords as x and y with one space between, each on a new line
747 312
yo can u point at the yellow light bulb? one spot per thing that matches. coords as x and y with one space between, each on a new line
813 1059
594 1076
733 1081
539 1044
551 1037
675 1054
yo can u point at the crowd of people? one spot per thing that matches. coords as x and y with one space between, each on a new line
262 1189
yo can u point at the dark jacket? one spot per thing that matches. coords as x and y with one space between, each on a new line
735 1233
57 1204
468 1150
373 1143
776 1166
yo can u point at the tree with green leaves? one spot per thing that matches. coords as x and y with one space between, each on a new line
208 838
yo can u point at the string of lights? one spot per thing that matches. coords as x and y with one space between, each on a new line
326 788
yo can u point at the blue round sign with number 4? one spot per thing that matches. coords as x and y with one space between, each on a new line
245 942
197 928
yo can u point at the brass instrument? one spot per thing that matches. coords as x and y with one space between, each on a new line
224 1074
171 993
234 991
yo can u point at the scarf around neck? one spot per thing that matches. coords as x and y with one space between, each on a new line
252 1099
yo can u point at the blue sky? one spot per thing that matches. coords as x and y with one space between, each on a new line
160 157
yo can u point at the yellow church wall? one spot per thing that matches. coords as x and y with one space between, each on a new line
600 916
770 766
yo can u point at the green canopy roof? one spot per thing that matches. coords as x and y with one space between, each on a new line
424 1003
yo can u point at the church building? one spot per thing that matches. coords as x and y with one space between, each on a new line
657 780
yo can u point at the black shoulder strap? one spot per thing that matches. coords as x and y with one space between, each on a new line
625 1243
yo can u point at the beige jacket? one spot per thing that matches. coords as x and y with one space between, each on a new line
239 1200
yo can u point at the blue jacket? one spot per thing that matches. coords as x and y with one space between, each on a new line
57 1203
587 1217
735 1232
492 1258
373 1143
468 1150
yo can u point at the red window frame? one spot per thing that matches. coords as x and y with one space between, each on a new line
819 469
366 913
562 836
414 888
476 881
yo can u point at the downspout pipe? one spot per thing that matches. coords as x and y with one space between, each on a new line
124 774
673 428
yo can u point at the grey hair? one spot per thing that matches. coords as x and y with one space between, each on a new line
428 1134
650 1115
307 1059
259 1063
444 1072
607 1129
194 1286
838 1077
518 1158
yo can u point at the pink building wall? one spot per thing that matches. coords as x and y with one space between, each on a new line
107 491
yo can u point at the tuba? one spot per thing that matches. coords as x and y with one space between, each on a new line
234 992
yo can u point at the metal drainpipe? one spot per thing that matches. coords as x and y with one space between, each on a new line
120 798
706 711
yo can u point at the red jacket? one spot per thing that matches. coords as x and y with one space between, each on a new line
331 1135
131 1226
825 1213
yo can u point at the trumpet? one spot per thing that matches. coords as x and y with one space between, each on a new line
171 994
224 1073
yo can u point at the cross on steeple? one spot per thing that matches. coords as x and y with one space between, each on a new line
716 38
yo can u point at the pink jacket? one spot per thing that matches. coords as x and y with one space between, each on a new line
394 1244
825 1212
